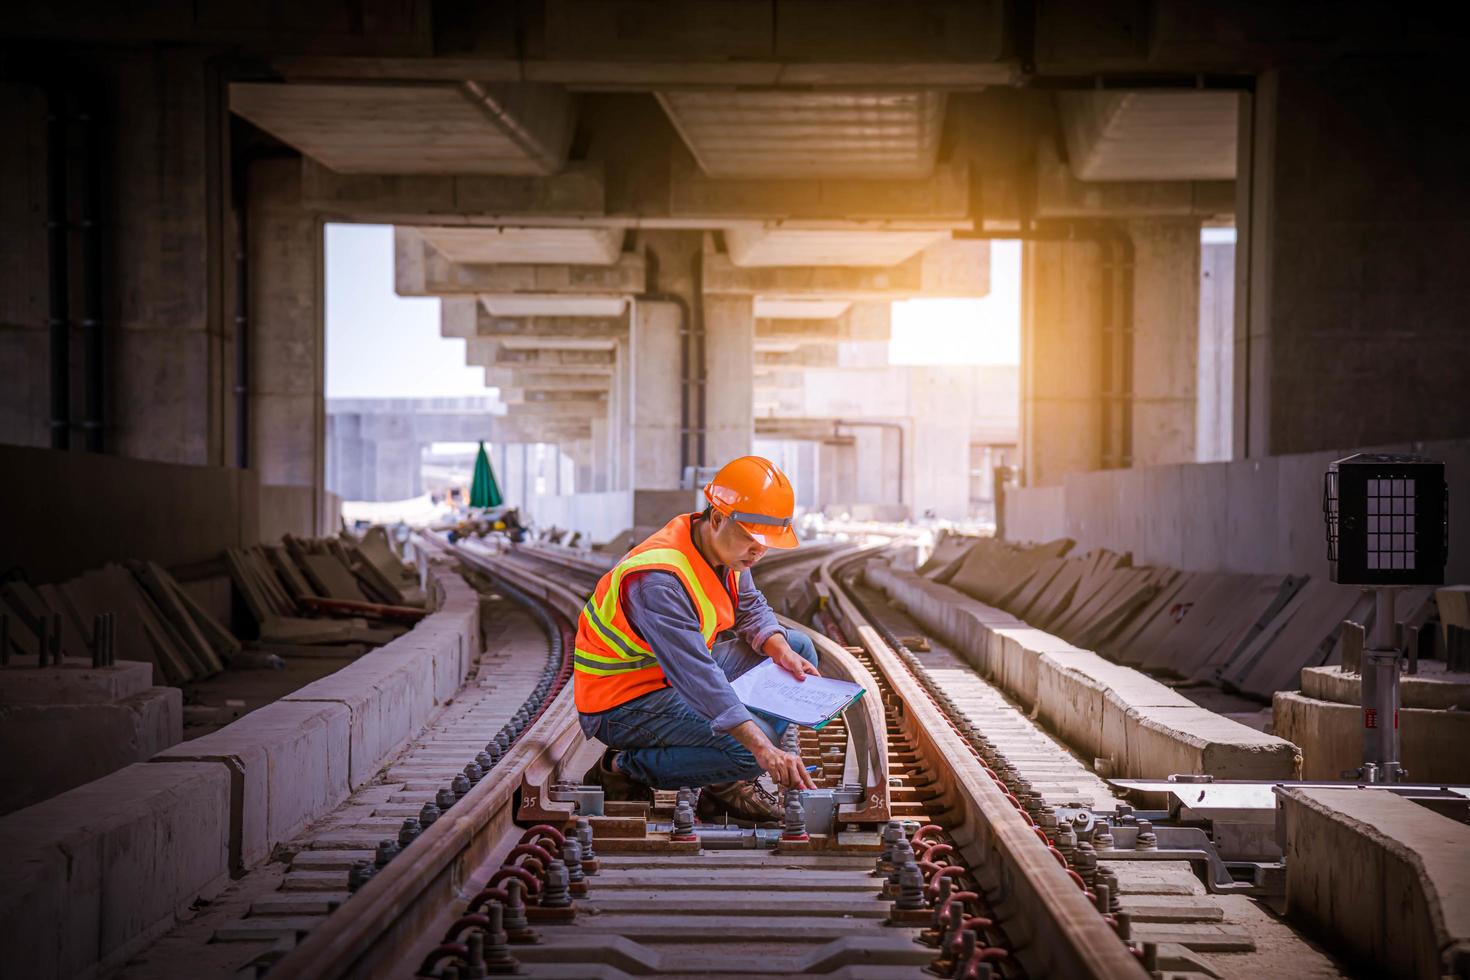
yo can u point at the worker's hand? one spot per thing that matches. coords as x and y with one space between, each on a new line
788 659
785 769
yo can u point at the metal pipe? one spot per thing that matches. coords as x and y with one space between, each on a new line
701 360
1385 659
684 358
58 266
242 312
94 406
872 423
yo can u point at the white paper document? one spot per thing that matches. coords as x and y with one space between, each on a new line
811 703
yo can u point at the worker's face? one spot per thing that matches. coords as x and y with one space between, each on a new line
733 544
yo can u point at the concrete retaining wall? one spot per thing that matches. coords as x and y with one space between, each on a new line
1431 741
119 509
1380 878
90 741
1131 724
1259 516
97 872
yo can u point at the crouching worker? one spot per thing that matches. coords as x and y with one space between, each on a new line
668 629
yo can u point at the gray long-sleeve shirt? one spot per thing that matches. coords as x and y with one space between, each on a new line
664 616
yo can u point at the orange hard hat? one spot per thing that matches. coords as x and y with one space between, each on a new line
757 496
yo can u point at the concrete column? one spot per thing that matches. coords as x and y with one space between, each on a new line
1166 263
1350 320
938 443
1216 350
396 472
579 463
619 416
1062 315
729 329
653 410
601 456
806 477
287 375
166 359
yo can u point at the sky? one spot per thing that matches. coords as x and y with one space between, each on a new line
380 344
965 331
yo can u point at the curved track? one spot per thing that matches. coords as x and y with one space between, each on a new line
912 828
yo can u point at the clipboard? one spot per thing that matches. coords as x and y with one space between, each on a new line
811 703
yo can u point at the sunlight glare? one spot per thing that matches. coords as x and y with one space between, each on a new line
965 331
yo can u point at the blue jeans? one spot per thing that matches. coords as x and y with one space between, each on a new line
667 744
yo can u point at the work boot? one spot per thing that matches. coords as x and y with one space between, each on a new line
745 802
615 785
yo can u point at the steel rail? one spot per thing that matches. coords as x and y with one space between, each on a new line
385 922
1054 928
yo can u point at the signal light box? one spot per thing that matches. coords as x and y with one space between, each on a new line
1387 519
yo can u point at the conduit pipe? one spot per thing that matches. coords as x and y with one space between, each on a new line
58 270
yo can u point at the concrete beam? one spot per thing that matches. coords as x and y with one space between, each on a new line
1150 135
754 247
577 192
569 246
509 379
493 354
510 128
746 133
585 409
521 327
1059 194
955 268
944 195
421 270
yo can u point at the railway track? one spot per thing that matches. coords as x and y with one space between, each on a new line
912 856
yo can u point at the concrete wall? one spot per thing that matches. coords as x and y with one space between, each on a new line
1354 213
118 508
160 218
603 516
1257 515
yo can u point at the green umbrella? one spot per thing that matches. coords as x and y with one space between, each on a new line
483 490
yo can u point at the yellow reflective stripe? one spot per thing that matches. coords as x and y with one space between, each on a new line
613 637
582 652
578 665
658 556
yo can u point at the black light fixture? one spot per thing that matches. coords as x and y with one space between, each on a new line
1386 519
1387 528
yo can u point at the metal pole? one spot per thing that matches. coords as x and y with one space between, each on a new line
1381 697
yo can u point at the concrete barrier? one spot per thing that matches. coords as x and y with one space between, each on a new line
1130 723
298 758
99 738
1381 878
1431 741
288 763
95 873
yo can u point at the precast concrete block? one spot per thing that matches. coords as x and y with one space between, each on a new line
82 742
76 685
289 763
1380 876
388 694
1431 740
95 873
1163 741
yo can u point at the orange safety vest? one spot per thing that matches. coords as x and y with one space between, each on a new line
612 664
